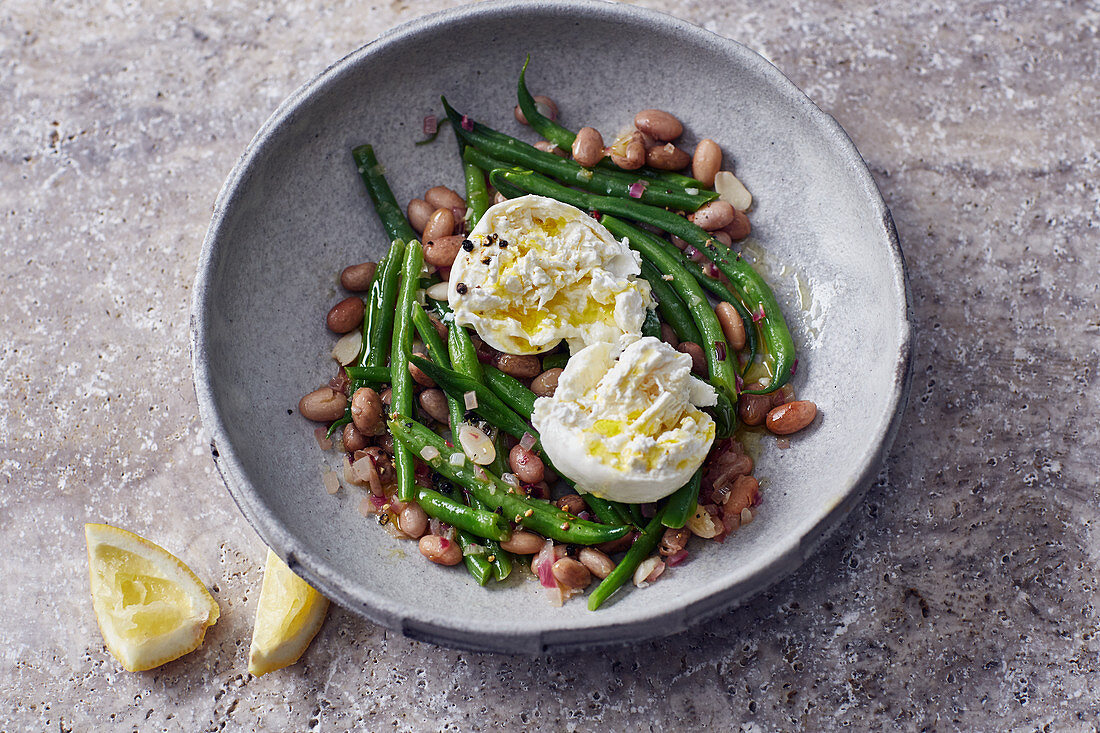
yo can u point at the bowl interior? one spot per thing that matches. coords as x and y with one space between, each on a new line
294 213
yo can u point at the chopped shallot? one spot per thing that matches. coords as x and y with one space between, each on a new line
636 189
431 125
320 433
470 400
527 442
544 565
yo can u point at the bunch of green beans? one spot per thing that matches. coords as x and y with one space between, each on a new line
478 565
611 183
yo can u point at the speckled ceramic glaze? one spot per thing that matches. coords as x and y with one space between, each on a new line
294 212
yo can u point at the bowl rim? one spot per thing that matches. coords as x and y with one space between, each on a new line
788 553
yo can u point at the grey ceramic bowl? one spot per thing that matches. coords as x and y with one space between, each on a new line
293 213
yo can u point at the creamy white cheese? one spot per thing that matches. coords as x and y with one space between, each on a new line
541 271
627 426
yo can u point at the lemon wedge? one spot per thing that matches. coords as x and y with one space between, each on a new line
288 616
150 607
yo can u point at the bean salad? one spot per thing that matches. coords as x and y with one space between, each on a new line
435 424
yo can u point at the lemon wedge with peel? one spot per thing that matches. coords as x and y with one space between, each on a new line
150 607
288 616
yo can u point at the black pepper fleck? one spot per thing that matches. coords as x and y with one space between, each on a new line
467 245
461 288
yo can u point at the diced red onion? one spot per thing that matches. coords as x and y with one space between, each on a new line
435 527
711 269
649 510
467 123
740 382
794 366
429 453
731 522
595 214
690 251
321 434
783 443
720 350
470 400
544 565
365 470
585 516
677 558
527 442
430 125
636 189
758 314
444 543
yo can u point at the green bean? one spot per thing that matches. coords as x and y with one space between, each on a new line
501 561
511 391
483 160
604 510
477 192
553 361
563 137
477 563
643 545
723 292
538 516
681 504
489 406
517 152
393 218
671 307
468 519
456 411
635 513
369 375
400 350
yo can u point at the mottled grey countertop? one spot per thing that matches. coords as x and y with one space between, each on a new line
958 596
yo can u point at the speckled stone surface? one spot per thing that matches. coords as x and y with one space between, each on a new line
960 594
